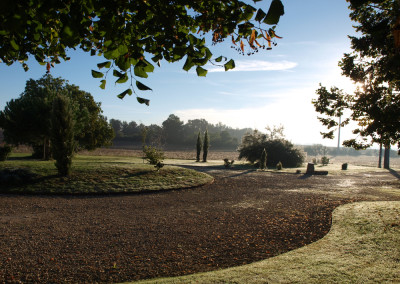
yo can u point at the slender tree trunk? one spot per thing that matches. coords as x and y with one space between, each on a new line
386 160
380 156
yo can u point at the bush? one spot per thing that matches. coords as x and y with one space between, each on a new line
154 156
279 166
278 150
344 166
263 160
228 163
16 176
5 151
324 160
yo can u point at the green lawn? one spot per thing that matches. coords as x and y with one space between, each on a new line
362 247
95 174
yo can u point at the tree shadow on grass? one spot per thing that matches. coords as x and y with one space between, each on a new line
394 173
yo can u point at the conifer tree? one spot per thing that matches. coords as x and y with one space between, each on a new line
206 145
198 147
62 134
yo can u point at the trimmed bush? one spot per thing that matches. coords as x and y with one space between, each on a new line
263 160
279 166
154 156
325 160
344 166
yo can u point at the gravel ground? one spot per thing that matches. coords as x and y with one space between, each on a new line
244 216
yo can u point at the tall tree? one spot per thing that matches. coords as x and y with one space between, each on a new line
375 64
173 130
199 145
206 145
62 136
128 33
26 120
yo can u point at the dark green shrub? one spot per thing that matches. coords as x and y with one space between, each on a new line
154 156
279 166
228 163
5 151
324 160
278 150
344 166
16 176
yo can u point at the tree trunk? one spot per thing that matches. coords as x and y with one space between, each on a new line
380 156
386 160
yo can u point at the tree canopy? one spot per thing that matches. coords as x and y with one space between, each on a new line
27 119
375 65
133 35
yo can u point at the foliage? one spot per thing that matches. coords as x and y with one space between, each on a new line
128 33
279 166
153 155
62 137
5 151
206 145
227 163
375 65
263 160
344 166
277 150
199 146
324 160
172 128
26 120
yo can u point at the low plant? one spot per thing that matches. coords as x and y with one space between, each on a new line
279 166
154 156
228 163
315 161
344 166
5 151
325 160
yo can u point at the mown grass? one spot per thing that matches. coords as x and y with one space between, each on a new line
98 174
362 247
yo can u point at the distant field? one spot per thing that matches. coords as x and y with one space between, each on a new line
233 155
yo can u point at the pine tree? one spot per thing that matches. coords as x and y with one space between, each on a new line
206 145
263 160
198 147
62 134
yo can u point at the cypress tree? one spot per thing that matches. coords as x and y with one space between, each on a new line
62 134
206 145
263 160
198 147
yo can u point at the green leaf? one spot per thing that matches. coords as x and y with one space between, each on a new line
276 10
122 79
201 71
229 65
188 64
139 71
143 101
116 73
96 74
106 64
142 87
103 84
122 49
219 59
260 15
124 93
14 44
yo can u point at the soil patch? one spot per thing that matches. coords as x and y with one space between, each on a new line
244 216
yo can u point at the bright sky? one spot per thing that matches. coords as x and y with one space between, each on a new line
269 88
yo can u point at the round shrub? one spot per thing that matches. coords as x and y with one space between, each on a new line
5 151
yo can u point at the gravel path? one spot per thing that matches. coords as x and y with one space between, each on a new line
244 216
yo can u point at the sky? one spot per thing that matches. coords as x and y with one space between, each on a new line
269 88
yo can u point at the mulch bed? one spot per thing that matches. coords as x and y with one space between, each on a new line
244 216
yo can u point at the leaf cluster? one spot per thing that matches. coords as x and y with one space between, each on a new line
131 35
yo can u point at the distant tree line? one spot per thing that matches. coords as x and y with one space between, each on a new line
321 150
174 133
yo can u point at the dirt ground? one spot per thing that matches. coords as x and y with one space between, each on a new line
242 217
